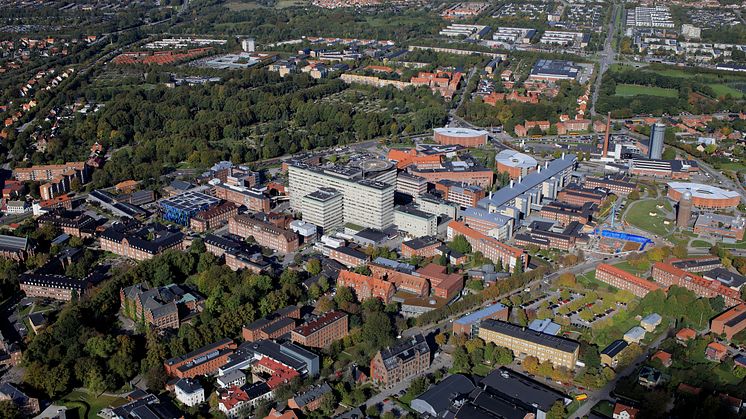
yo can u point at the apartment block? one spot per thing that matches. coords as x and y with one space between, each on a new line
130 239
425 246
265 234
525 342
668 275
348 256
322 331
624 280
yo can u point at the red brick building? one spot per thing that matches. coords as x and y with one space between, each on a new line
464 195
412 284
443 284
425 247
265 234
730 322
578 195
213 217
348 256
624 280
366 286
409 357
321 332
203 361
668 275
272 326
253 200
460 136
494 250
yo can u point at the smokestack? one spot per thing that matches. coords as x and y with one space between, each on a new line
563 155
607 135
511 183
490 194
546 164
520 178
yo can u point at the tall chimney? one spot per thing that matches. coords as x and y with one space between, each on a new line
511 183
607 135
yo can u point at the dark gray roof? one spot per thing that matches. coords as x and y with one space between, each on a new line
520 387
404 349
421 242
614 348
491 405
726 277
439 397
562 344
12 243
313 394
187 385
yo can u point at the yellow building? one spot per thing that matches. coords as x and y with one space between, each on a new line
525 342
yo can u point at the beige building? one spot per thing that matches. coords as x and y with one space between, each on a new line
414 222
526 342
323 208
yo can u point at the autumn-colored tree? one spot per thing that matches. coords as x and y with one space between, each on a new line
531 364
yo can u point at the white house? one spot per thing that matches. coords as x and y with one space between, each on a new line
189 392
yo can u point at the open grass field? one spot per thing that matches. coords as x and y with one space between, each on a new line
634 90
88 405
700 244
722 89
638 215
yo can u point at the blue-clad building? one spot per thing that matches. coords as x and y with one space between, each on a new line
181 208
469 324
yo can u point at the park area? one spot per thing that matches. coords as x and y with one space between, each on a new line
639 215
634 90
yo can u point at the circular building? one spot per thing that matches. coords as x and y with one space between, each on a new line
515 163
703 196
460 136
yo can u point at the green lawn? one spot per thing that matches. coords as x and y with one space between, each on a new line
736 245
93 404
638 214
722 89
701 244
634 90
625 266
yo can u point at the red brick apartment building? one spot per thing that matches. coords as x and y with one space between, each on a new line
544 239
624 280
272 326
203 361
366 286
618 186
730 322
443 284
567 213
425 247
321 332
74 223
668 275
126 239
213 217
265 234
491 248
409 357
696 264
413 284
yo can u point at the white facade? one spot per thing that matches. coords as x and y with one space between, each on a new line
189 392
367 203
324 208
415 223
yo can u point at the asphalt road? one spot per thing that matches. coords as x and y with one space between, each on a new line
607 57
605 392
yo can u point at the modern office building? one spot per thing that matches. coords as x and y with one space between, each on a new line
181 208
518 199
410 184
367 202
415 223
524 342
554 70
668 169
657 135
493 224
324 208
